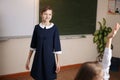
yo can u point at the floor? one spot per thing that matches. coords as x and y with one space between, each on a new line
65 75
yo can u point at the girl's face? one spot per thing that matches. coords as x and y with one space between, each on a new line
46 16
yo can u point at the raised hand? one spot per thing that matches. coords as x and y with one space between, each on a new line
114 31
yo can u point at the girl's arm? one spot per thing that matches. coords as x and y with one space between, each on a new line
28 59
108 53
32 47
57 63
111 35
106 62
57 49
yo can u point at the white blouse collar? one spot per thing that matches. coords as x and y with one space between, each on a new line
47 27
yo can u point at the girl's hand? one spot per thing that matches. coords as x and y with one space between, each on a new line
27 65
57 68
114 31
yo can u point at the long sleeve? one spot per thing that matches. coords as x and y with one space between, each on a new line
106 62
57 45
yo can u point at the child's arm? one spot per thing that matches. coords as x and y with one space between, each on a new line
107 52
57 63
106 62
28 59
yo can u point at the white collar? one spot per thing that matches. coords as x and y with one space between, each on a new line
47 27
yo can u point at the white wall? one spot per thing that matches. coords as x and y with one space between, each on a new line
111 21
13 19
14 52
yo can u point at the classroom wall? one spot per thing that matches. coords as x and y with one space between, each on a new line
111 21
14 52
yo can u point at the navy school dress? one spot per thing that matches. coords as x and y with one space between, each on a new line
45 41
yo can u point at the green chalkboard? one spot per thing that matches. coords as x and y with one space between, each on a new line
73 16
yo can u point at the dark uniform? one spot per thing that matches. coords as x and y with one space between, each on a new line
45 41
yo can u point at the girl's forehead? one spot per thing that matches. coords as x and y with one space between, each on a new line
48 11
